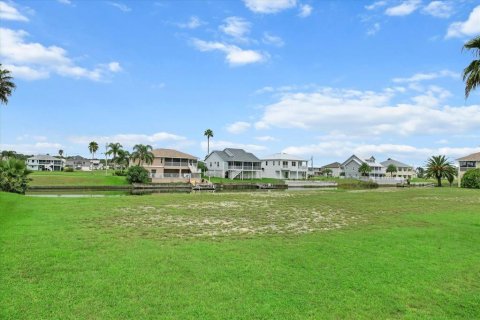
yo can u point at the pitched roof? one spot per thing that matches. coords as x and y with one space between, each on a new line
333 165
396 163
43 157
170 153
353 158
471 157
230 154
283 156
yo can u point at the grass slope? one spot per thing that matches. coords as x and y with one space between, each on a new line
77 178
294 255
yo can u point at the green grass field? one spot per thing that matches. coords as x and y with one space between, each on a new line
386 253
76 178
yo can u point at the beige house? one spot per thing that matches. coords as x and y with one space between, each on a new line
403 170
173 166
467 163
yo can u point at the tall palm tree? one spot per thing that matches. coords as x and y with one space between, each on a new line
364 169
471 74
6 85
143 153
209 134
113 149
123 158
439 167
93 147
60 153
391 169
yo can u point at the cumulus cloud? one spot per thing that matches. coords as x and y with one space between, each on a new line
305 10
129 140
235 56
236 27
9 12
428 76
221 144
193 23
469 27
238 127
403 9
273 40
269 6
33 148
265 138
439 9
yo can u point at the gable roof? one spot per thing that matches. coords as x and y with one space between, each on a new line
396 163
230 154
470 157
333 165
353 158
43 157
283 156
170 153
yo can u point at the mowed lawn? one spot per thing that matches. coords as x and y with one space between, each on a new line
387 253
76 178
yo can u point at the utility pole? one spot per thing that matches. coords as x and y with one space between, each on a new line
106 164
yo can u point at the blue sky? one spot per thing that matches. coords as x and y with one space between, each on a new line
313 78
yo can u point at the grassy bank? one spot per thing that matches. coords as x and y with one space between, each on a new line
76 178
410 253
245 181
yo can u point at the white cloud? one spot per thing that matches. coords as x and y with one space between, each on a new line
368 112
221 144
193 23
9 12
238 127
129 140
235 56
64 1
428 76
439 9
33 148
376 5
273 40
265 138
32 60
405 8
470 27
236 27
374 29
305 10
120 6
269 6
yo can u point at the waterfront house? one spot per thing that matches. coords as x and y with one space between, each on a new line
335 167
233 164
83 164
466 163
351 165
45 162
403 170
173 166
284 166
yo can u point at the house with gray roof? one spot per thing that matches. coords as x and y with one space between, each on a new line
466 163
45 162
403 170
233 164
352 164
284 166
83 164
335 168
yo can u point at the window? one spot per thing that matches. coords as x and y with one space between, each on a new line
467 164
266 163
285 163
294 164
210 164
218 164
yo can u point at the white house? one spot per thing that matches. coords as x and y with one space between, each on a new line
351 165
403 170
233 164
335 168
84 164
284 166
46 162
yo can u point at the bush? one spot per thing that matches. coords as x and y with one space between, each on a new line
120 173
13 176
68 169
471 179
137 174
358 184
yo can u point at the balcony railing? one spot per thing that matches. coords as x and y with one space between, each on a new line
175 175
231 167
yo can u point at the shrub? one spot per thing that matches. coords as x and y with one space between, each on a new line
68 169
13 176
471 179
137 174
120 173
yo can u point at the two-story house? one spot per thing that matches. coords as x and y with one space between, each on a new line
403 170
173 166
45 162
335 169
466 163
233 164
84 164
352 164
284 166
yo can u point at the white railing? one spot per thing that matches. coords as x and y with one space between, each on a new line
174 175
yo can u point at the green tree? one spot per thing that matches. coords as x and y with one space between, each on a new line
391 169
365 169
93 147
143 153
123 158
471 179
6 85
13 176
439 167
8 154
209 134
60 153
420 172
327 172
113 149
471 74
137 174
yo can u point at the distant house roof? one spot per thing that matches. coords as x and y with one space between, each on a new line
230 154
76 158
283 156
371 161
170 153
353 158
333 165
396 163
471 157
43 157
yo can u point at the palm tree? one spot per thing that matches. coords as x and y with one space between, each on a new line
8 154
13 175
209 134
143 153
364 169
113 149
6 85
123 158
439 167
93 147
471 74
60 153
391 169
